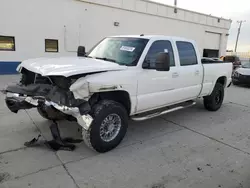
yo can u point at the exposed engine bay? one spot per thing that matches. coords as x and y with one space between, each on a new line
35 91
52 96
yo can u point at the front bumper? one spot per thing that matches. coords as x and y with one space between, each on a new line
25 97
241 79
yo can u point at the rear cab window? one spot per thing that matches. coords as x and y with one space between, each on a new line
187 53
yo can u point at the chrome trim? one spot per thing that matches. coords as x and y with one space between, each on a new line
150 116
110 127
83 120
35 78
8 94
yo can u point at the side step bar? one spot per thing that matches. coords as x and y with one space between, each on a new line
159 113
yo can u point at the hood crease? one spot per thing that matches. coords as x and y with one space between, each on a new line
68 66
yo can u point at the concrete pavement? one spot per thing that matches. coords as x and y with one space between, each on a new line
188 148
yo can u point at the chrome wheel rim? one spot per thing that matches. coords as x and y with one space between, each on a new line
110 127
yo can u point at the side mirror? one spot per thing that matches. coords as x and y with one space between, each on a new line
162 62
81 51
146 64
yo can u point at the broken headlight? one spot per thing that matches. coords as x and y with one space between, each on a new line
236 74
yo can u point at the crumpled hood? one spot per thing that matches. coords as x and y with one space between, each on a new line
68 66
243 71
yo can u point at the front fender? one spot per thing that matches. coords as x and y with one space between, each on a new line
96 88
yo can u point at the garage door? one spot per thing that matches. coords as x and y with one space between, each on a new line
212 41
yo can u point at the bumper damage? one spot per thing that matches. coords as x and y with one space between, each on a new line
242 79
20 97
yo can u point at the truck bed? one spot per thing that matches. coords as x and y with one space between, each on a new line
215 70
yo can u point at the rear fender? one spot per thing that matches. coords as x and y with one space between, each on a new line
222 80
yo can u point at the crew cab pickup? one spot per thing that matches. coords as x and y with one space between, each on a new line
122 77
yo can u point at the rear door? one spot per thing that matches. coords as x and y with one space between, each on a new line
190 70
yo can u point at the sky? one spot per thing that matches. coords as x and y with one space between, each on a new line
229 9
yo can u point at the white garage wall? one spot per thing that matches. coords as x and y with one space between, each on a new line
75 22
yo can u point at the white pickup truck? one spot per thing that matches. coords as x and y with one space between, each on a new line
122 77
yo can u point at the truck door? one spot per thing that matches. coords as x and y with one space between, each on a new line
190 70
157 88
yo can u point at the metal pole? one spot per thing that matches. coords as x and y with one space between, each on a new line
175 4
238 34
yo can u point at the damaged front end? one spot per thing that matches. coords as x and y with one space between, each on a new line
35 91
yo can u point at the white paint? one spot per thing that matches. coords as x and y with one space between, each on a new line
75 22
80 89
243 71
126 80
68 66
158 89
212 73
127 48
148 89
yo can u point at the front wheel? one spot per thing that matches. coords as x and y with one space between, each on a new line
214 101
109 126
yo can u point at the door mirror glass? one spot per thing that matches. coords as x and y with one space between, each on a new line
81 51
159 46
162 62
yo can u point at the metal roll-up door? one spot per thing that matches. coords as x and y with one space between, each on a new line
212 44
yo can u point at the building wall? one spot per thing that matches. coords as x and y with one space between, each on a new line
85 22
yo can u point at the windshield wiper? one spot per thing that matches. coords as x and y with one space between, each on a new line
106 59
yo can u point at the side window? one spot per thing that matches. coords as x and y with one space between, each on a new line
51 45
187 53
7 43
157 47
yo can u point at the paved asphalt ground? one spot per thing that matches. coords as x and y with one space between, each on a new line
188 148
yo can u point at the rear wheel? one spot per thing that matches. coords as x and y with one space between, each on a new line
109 126
214 101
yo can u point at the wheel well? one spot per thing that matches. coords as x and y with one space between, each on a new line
222 80
118 96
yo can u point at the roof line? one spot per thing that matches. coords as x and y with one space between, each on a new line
172 18
158 3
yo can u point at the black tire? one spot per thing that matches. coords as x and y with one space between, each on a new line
100 112
214 101
50 114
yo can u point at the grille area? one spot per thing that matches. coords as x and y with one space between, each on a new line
39 79
29 77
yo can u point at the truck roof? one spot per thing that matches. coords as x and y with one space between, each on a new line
155 37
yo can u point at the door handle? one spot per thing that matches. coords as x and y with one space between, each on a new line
197 72
175 75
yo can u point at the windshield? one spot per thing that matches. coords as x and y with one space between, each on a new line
245 64
123 51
